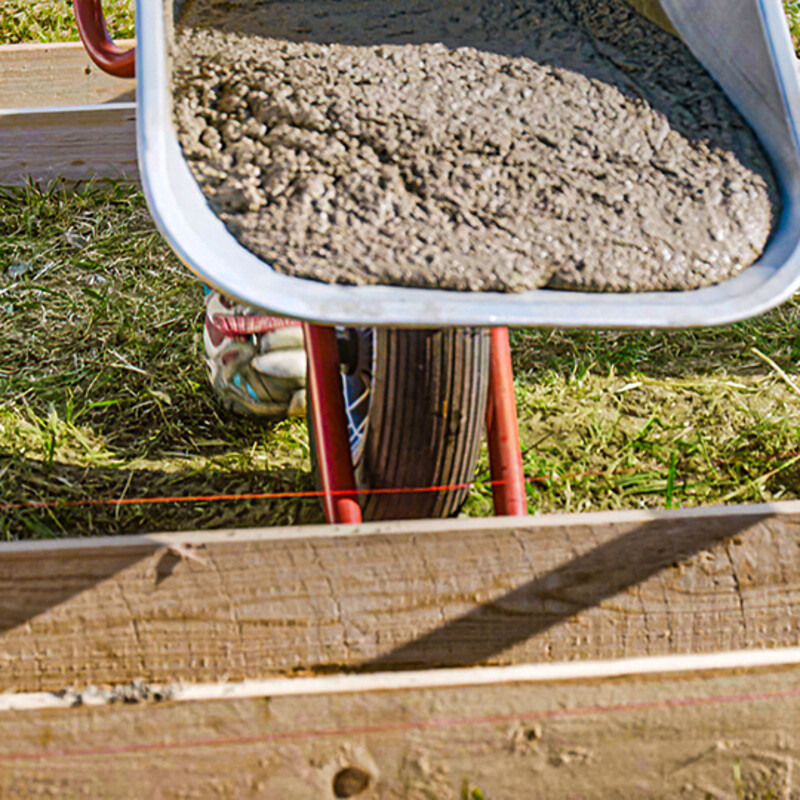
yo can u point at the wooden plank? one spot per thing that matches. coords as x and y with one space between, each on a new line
75 144
387 596
44 75
722 736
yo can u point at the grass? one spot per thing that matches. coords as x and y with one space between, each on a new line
103 385
659 419
52 20
792 9
104 394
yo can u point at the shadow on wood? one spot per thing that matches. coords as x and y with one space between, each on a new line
579 584
235 604
27 587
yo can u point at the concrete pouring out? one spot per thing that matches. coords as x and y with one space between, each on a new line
472 145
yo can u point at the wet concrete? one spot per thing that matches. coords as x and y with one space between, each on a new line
477 146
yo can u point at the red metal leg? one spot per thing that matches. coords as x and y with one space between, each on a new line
505 456
327 415
97 41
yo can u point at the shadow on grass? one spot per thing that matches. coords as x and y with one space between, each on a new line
80 500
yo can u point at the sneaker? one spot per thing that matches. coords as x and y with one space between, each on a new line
256 362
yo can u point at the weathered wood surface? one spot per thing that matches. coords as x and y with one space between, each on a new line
44 75
75 144
378 596
60 116
721 736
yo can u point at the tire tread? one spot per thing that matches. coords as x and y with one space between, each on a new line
426 418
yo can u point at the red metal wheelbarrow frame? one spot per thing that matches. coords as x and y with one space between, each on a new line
98 43
327 412
325 397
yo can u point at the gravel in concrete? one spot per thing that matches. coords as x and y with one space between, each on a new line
482 146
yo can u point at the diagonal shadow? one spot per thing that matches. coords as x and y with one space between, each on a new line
32 582
552 598
42 575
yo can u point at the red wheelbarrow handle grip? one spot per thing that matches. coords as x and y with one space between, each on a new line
99 45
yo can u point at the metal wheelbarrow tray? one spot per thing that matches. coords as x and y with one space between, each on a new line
744 45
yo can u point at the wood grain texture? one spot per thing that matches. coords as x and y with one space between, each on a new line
720 736
626 586
44 75
75 144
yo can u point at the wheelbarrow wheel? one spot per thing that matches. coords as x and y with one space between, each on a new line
416 402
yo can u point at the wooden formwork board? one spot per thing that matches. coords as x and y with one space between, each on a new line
76 144
230 605
226 605
60 116
60 74
725 735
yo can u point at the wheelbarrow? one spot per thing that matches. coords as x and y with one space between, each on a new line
395 433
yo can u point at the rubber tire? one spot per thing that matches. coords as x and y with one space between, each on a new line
426 418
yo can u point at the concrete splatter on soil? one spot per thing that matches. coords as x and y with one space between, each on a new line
475 146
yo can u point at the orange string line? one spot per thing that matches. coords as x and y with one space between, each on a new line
290 495
316 493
